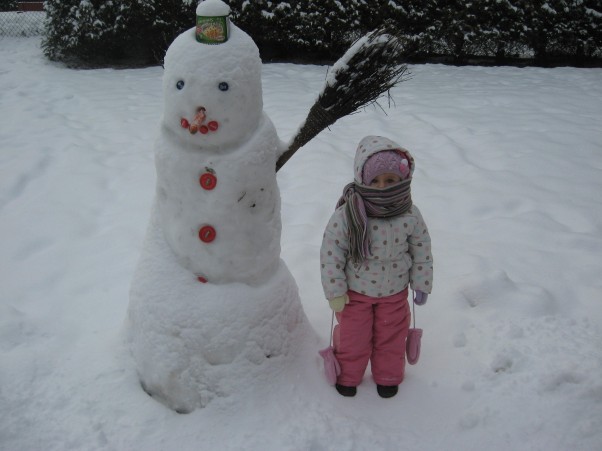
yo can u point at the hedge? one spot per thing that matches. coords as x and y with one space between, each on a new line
137 32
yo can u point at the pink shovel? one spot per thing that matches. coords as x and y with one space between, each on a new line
331 366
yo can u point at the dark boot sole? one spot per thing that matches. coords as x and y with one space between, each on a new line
386 391
346 391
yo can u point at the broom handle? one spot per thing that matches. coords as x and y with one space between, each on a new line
317 120
288 154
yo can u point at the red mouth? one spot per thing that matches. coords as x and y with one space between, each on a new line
198 123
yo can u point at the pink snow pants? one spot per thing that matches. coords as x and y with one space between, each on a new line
375 330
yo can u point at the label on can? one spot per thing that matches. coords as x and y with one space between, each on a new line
212 30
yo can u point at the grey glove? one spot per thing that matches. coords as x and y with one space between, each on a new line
420 297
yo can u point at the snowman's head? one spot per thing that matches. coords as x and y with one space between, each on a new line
212 93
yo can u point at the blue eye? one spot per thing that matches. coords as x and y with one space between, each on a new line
223 86
180 84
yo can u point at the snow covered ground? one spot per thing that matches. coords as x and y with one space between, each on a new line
509 179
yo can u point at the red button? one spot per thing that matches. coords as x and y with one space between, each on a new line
213 126
208 181
201 279
207 234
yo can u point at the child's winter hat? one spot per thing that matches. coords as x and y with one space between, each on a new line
383 162
370 147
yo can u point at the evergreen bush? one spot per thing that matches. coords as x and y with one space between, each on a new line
569 29
158 22
88 32
102 33
134 32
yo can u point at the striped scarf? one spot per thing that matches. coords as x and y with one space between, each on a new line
362 202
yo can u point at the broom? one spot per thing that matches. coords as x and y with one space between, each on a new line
371 67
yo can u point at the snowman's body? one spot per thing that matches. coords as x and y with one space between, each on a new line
211 303
232 196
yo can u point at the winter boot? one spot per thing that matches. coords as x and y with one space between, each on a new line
386 391
345 390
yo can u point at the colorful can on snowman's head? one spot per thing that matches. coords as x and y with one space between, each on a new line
212 22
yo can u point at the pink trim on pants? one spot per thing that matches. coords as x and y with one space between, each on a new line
375 330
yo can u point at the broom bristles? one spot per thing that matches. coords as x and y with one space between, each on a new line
371 67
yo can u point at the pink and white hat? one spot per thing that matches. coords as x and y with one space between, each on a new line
383 162
372 145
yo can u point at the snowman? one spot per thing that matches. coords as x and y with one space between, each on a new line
212 305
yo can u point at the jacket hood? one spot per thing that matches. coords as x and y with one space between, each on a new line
370 145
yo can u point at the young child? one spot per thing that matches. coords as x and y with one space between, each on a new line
375 245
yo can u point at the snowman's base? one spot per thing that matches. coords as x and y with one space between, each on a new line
193 342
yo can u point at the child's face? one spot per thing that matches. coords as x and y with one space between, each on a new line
385 180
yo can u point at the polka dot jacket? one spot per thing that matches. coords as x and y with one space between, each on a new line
400 254
400 248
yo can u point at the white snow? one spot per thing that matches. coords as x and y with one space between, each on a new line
212 8
342 63
508 176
